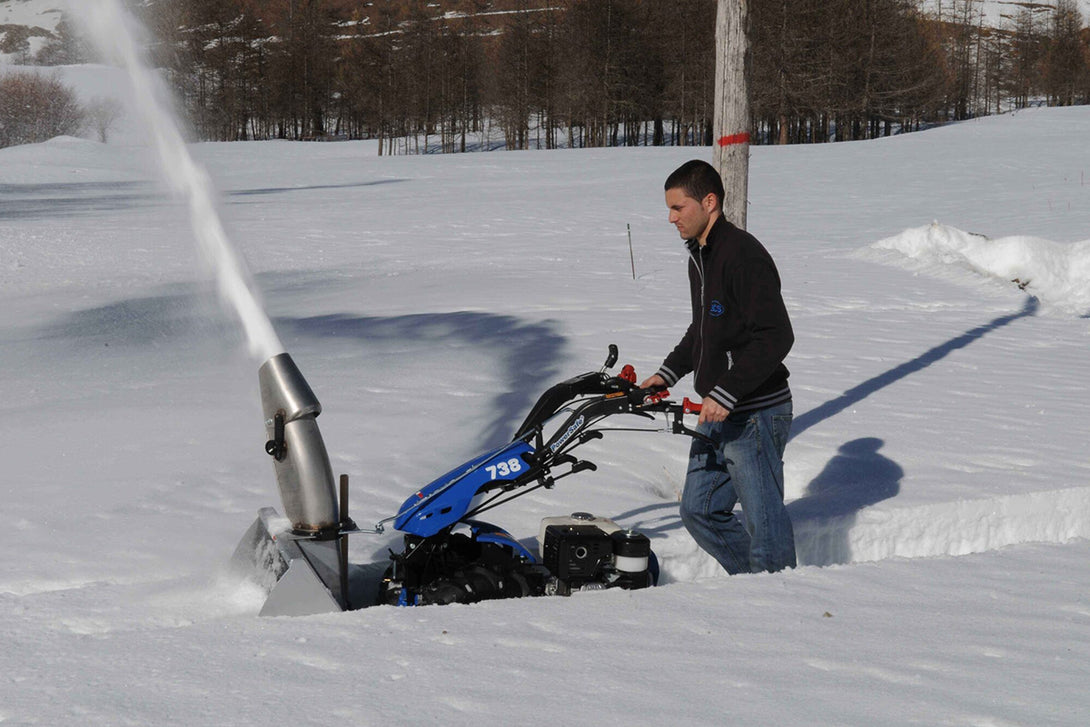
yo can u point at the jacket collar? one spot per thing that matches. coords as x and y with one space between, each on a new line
693 244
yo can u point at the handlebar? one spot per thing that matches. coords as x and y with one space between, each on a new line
588 399
616 394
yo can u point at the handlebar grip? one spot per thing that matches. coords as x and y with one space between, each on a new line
611 358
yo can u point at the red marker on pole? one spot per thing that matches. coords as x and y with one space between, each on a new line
742 138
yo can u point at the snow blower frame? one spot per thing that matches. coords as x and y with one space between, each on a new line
449 555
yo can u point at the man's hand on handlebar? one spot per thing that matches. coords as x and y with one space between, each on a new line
653 381
710 411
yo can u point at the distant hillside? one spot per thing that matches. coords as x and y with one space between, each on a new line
998 13
34 13
27 27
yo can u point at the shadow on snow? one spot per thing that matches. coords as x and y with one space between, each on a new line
857 477
50 201
526 354
856 394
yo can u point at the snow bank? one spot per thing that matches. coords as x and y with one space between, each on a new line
949 528
1057 273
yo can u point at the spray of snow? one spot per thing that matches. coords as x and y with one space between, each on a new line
115 32
1057 273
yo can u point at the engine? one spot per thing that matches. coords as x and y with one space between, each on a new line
583 552
576 553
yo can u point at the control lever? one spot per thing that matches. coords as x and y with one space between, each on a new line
612 357
582 465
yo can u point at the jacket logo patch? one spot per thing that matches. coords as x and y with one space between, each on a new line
716 309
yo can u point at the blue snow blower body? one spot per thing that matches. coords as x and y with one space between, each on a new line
449 555
446 500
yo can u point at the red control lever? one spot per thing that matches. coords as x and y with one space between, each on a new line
656 397
690 407
628 373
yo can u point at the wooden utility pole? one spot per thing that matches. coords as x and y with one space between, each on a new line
731 121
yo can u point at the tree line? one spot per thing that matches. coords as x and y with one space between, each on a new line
458 75
455 75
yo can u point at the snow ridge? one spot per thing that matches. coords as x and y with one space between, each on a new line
1057 273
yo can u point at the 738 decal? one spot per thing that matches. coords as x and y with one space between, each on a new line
504 469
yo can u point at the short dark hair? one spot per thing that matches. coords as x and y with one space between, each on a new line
697 179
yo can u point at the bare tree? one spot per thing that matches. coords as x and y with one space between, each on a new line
36 108
1065 62
1024 57
16 41
102 113
514 75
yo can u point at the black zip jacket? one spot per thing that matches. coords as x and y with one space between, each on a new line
740 333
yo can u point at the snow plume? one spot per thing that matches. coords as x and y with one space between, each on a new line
1057 273
115 32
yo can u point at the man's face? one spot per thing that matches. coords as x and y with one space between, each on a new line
691 217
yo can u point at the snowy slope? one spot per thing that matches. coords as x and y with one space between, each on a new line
939 412
40 16
43 14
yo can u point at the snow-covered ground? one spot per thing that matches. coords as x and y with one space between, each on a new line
938 473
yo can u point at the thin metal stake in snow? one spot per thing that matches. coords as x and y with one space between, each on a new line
631 255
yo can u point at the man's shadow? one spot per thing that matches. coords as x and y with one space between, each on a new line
861 391
857 477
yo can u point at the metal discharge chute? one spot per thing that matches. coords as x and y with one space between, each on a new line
300 558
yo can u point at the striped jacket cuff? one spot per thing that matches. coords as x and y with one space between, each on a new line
668 376
723 398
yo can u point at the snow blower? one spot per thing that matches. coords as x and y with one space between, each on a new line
449 555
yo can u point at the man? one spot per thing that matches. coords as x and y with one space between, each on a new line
735 347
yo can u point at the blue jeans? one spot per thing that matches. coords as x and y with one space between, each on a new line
744 465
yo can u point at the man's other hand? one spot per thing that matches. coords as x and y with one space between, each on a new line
712 411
